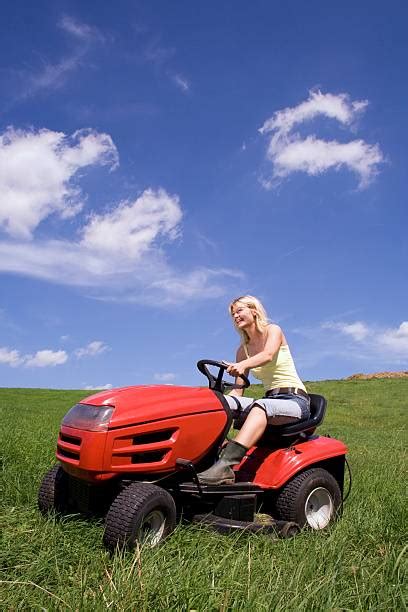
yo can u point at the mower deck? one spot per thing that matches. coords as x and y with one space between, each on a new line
282 529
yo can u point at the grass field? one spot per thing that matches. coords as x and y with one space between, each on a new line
357 565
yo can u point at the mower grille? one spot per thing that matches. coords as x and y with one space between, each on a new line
68 454
149 456
70 439
154 436
68 446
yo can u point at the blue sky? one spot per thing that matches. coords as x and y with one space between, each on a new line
158 159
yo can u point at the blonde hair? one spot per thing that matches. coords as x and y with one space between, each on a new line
259 312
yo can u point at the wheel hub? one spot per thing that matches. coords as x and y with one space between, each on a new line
319 508
152 528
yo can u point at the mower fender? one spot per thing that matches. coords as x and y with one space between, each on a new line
271 469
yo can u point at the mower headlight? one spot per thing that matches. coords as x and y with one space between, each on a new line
91 418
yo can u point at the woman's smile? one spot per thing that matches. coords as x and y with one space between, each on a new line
239 321
243 317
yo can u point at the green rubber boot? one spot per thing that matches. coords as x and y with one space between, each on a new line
221 472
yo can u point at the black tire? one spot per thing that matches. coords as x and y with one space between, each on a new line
53 492
311 499
143 513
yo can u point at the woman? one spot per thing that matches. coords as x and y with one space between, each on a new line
265 352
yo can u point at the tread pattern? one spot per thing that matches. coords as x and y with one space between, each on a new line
290 503
53 491
128 510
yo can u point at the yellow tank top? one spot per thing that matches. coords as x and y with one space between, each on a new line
279 372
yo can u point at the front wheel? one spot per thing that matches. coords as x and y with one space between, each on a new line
143 513
53 492
311 499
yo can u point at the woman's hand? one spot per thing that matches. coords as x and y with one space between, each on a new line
236 369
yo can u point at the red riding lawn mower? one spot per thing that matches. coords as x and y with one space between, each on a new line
133 454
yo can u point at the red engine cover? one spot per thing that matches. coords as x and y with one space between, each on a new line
135 405
150 428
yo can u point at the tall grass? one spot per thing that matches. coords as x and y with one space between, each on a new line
357 565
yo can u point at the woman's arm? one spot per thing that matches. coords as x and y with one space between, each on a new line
272 344
240 356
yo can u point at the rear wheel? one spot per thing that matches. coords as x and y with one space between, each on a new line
53 492
143 513
311 499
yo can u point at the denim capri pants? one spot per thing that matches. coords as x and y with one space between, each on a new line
279 410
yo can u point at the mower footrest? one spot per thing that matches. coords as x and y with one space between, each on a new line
235 488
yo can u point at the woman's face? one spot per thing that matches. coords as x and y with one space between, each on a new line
243 315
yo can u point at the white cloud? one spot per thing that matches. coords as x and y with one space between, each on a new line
50 76
80 30
53 74
93 348
164 377
98 387
181 82
315 156
337 107
10 357
120 255
188 286
396 340
374 341
40 359
130 229
37 169
46 358
155 53
289 152
358 330
119 249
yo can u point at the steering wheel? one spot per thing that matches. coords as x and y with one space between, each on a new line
217 383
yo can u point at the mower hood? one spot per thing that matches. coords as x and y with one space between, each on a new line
141 404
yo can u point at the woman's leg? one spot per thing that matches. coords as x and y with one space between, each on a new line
273 411
221 472
253 428
260 413
234 451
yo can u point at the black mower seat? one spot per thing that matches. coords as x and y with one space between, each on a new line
317 411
